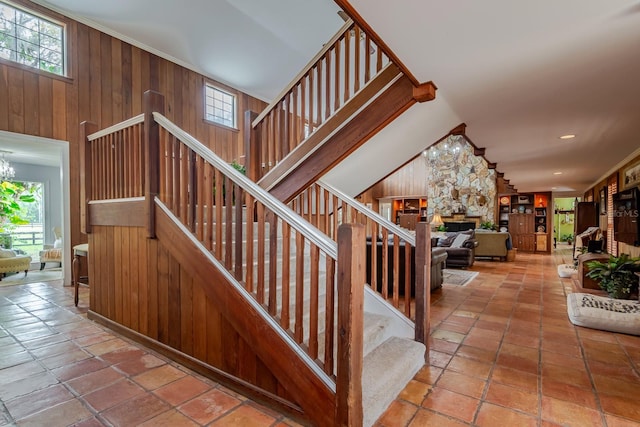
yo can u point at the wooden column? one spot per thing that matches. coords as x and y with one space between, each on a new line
251 147
153 101
86 182
423 283
351 282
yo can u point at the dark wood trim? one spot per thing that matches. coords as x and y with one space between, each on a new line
425 92
153 101
125 213
86 129
359 20
234 383
251 146
369 121
423 287
351 282
314 396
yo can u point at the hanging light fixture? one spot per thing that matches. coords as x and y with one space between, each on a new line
6 170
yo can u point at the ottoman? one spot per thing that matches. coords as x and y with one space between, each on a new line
14 264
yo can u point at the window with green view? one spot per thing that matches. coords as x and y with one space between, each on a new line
31 40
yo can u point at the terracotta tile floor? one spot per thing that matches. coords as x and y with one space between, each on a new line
503 353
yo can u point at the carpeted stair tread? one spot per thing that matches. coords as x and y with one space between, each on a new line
386 372
374 331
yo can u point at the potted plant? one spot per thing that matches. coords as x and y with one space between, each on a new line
488 225
11 213
616 276
567 238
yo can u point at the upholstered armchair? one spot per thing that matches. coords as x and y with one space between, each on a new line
52 254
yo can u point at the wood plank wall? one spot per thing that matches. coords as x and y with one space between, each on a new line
408 180
107 78
134 284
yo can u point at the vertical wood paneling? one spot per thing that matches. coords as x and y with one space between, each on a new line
107 78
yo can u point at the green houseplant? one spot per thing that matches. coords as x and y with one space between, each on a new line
11 213
616 276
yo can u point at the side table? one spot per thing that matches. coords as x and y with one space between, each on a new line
78 251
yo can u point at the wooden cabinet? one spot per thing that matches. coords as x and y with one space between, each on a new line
541 242
527 218
407 211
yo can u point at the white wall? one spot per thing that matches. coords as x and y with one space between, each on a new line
50 177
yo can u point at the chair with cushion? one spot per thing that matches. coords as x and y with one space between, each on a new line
460 247
52 254
10 262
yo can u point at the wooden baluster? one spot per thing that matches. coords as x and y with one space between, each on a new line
318 71
200 198
367 59
261 254
329 315
229 187
356 58
311 103
407 279
303 97
313 303
351 278
252 146
299 327
327 214
336 77
379 60
273 262
250 240
295 120
191 191
347 68
373 273
208 186
327 86
285 319
184 180
240 225
384 260
396 270
284 140
219 190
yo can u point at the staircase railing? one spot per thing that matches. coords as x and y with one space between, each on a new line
345 65
250 233
391 250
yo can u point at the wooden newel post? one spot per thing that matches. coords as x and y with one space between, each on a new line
251 147
153 101
423 284
351 282
86 182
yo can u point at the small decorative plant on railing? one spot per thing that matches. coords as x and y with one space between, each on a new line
616 276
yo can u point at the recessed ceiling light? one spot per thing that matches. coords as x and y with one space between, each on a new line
568 136
557 173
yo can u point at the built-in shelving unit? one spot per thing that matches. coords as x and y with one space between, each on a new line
526 217
406 211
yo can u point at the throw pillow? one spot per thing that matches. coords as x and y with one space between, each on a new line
57 244
459 240
7 253
445 242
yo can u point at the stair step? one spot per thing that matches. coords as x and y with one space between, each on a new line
386 371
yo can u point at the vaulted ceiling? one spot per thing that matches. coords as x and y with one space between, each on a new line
519 74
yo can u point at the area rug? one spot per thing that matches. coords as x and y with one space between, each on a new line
46 275
458 277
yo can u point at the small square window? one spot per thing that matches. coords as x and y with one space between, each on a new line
220 106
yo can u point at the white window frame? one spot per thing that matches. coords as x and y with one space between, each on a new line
48 20
214 108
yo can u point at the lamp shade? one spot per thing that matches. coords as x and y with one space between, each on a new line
436 220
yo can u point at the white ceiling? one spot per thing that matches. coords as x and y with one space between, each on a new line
519 74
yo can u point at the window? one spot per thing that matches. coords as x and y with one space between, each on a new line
30 40
220 106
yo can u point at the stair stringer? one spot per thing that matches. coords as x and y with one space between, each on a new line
298 374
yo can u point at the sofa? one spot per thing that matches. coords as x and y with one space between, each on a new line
460 247
493 244
438 259
12 263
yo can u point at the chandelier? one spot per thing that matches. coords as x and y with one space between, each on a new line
6 170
